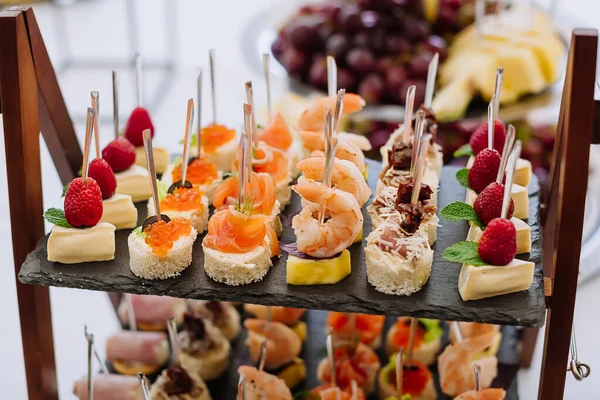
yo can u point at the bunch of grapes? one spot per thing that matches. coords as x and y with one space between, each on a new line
381 47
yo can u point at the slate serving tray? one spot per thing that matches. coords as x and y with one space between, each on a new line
313 351
439 298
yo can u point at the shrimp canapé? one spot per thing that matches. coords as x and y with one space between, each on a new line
261 385
345 150
285 315
345 176
486 394
312 117
283 344
330 392
343 220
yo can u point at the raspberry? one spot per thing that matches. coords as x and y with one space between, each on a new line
119 154
498 243
479 138
104 176
138 122
83 203
484 169
488 205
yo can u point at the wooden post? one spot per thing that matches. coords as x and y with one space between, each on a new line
19 92
564 208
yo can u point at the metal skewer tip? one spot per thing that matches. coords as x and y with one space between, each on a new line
139 79
490 121
477 373
457 333
199 131
267 72
211 59
90 379
331 76
331 359
263 355
147 135
250 100
399 373
130 312
411 339
174 340
431 75
144 385
241 395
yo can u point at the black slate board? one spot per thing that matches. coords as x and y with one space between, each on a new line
313 351
439 298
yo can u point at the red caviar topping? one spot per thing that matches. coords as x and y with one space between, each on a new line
199 172
183 199
161 235
402 334
214 136
367 327
414 377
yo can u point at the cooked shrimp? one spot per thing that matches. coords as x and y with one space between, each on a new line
345 150
312 118
263 386
330 392
455 365
345 176
283 344
285 315
472 329
335 234
360 141
486 394
277 134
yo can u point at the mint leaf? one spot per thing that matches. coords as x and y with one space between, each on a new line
138 231
177 161
463 253
432 328
462 176
259 126
56 216
162 189
459 211
464 150
64 192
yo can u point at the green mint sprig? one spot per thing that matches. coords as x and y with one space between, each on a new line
56 216
462 176
459 211
65 188
464 150
464 253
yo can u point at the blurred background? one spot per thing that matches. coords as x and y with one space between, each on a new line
87 39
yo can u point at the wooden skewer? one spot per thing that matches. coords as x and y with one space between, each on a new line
339 109
431 75
89 131
90 382
419 129
399 373
199 132
508 144
245 155
263 355
139 79
408 110
490 121
497 91
175 347
115 87
96 106
457 333
354 386
152 171
144 386
267 72
189 123
419 168
411 337
130 313
510 172
331 76
479 15
330 149
250 100
477 373
96 355
241 395
211 60
330 358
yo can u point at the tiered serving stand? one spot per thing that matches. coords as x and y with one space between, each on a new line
31 101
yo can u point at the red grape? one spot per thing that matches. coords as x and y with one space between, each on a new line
279 46
294 61
394 80
337 45
360 60
346 80
362 39
419 91
369 19
348 19
416 30
317 74
380 137
396 45
371 88
419 66
436 44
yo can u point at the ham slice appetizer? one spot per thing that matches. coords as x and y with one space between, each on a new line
152 312
150 348
109 387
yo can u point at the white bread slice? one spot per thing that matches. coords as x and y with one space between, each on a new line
209 364
283 192
77 245
237 269
396 274
145 264
199 220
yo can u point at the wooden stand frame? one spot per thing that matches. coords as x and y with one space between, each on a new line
32 101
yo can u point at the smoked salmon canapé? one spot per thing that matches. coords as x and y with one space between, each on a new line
427 341
364 327
277 135
353 362
260 196
219 145
239 245
417 381
161 250
186 203
201 173
331 392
